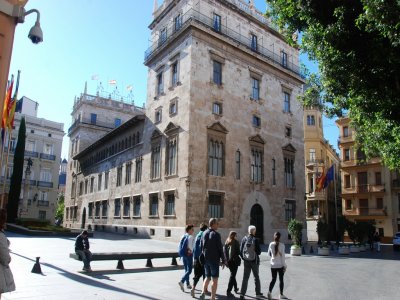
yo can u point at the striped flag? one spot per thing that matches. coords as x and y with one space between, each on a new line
6 105
129 87
112 82
10 119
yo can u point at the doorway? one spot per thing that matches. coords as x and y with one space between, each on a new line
257 219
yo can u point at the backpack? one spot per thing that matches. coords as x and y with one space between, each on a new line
197 245
249 249
183 244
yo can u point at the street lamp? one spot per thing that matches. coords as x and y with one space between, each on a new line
18 12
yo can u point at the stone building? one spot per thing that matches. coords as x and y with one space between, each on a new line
43 144
222 135
319 157
370 191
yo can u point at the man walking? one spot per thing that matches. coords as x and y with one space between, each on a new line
82 249
214 256
186 252
249 252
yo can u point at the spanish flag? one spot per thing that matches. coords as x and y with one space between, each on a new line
320 182
13 104
6 106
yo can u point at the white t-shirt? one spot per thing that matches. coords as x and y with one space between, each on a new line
278 260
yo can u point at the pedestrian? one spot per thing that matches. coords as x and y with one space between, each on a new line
198 268
186 252
213 257
6 277
250 253
377 240
276 251
82 247
232 257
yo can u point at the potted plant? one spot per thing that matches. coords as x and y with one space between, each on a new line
295 228
343 249
323 249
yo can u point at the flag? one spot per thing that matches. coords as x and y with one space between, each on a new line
6 105
129 87
112 82
320 182
330 174
10 119
95 77
18 107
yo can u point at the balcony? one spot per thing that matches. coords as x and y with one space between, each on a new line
345 139
195 17
31 153
365 212
87 121
43 203
360 162
370 188
47 156
45 184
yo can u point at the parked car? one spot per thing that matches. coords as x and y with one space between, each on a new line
396 241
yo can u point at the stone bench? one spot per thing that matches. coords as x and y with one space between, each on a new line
121 256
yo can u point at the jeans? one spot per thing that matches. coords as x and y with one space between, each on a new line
188 264
233 267
250 266
274 272
86 257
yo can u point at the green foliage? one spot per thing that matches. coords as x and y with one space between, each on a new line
351 230
341 227
295 228
356 44
60 208
322 230
358 232
16 178
26 222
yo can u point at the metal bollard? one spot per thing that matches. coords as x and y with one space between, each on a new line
36 267
311 250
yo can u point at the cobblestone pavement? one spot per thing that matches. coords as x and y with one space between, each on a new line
367 275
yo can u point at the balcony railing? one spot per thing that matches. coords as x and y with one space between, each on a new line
45 184
370 188
365 211
43 203
47 156
88 121
195 16
315 161
31 153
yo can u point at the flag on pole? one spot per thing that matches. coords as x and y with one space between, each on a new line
112 82
330 174
129 87
6 105
320 181
10 119
95 77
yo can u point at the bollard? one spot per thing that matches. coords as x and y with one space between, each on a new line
174 263
332 247
120 265
303 251
149 264
311 250
36 267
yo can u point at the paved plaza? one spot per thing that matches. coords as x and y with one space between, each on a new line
358 276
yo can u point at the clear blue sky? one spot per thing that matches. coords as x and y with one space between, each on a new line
83 38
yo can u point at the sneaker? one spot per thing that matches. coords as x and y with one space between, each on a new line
192 293
230 295
202 296
283 297
189 287
260 295
242 297
236 291
269 296
181 286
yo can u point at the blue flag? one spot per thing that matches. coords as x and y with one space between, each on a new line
330 174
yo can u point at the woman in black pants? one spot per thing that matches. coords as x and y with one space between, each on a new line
276 250
232 251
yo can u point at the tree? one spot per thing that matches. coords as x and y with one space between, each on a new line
322 231
16 178
356 44
60 208
295 228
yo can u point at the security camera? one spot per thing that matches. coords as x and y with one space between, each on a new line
36 34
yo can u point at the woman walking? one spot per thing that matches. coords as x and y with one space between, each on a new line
6 278
276 250
232 251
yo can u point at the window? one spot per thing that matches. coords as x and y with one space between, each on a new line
138 170
345 131
255 92
171 157
173 108
378 178
286 103
347 183
43 196
153 205
346 154
310 120
155 162
217 22
106 175
288 131
48 148
42 215
157 116
160 85
90 210
13 143
256 121
174 74
254 43
45 175
215 206
284 59
127 207
163 36
97 209
289 172
312 155
379 203
80 188
217 72
104 208
257 166
117 122
119 175
93 119
217 108
73 187
99 182
128 171
136 206
216 158
273 172
170 205
290 210
91 184
117 207
178 22
237 158
86 186
30 146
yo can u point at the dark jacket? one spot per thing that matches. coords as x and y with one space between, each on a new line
212 246
81 243
257 247
232 252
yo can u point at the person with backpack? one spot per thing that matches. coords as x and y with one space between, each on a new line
198 268
249 252
232 256
185 251
276 251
